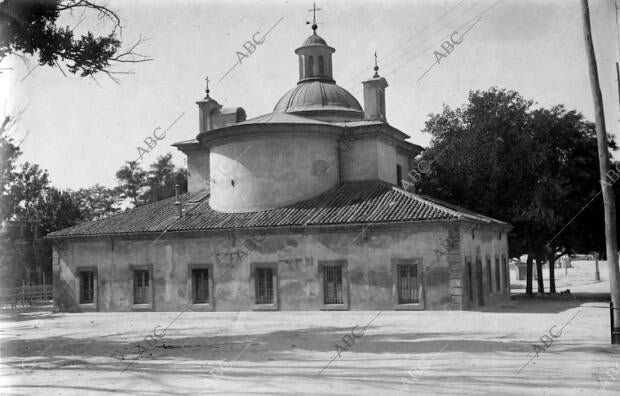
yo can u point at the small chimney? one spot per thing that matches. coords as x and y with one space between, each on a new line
374 96
206 108
178 203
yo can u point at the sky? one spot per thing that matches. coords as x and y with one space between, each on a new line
83 130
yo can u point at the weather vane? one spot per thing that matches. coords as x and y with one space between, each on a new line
313 10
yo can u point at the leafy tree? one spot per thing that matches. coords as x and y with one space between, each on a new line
28 27
568 169
8 155
25 192
163 178
56 210
96 202
152 186
132 182
31 198
532 168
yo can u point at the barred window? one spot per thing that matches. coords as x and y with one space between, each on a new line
408 284
264 285
200 283
141 288
87 287
332 289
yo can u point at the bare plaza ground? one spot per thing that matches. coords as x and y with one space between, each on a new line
430 352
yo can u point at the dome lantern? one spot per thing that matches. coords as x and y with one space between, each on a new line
316 95
315 60
315 56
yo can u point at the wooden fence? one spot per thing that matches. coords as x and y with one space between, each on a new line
25 296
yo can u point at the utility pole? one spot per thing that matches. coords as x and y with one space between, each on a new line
603 156
617 5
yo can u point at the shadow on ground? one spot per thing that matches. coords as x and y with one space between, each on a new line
194 357
286 355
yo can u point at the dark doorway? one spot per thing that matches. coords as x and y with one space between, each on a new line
470 282
479 285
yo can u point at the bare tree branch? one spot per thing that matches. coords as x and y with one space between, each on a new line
62 71
9 124
103 11
95 80
107 73
90 54
131 54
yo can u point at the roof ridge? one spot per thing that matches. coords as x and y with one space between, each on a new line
420 198
442 205
460 208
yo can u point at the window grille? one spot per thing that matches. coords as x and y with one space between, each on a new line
332 278
408 284
142 291
200 281
264 286
87 287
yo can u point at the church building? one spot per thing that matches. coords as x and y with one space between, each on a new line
299 209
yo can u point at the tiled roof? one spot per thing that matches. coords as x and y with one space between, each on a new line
364 202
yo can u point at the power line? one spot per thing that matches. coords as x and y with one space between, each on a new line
437 31
433 45
458 16
443 37
403 44
462 37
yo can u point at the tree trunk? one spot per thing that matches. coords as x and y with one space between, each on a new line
603 156
528 281
551 259
539 273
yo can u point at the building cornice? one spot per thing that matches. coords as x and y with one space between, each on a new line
252 131
416 226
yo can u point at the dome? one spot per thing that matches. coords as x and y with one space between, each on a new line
315 39
320 96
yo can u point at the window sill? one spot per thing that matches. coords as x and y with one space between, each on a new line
142 307
88 306
335 307
265 307
409 307
201 307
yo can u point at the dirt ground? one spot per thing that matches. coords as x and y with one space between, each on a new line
496 351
